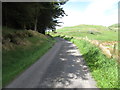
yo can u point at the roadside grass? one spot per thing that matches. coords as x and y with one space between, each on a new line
20 50
103 69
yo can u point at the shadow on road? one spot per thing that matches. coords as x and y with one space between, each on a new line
68 69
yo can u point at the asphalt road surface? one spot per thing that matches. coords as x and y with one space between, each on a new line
61 67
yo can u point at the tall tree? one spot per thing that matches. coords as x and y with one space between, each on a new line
37 16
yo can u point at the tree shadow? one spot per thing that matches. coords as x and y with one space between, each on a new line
68 66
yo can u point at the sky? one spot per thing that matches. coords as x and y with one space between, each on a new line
93 12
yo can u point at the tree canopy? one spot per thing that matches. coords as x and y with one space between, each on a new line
38 16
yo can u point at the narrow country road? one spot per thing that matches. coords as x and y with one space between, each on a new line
61 67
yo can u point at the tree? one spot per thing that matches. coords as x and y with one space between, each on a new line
37 16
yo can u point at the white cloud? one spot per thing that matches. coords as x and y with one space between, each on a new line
94 14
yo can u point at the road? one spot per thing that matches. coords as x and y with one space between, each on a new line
61 67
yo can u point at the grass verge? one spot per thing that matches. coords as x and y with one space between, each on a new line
20 50
103 69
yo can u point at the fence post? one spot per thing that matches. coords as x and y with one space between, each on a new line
114 48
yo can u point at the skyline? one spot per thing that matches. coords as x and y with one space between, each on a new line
93 12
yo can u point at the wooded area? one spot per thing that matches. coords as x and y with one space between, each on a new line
38 16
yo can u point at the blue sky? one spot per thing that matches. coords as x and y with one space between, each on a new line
76 6
94 12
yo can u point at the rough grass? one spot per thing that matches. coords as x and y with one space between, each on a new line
94 32
20 50
103 69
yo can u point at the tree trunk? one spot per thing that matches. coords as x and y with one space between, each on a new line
35 28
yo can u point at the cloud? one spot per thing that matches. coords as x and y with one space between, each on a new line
99 12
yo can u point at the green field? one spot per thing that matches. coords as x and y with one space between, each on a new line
94 32
20 49
103 69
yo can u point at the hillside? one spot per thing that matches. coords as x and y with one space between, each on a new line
94 32
21 48
99 48
114 27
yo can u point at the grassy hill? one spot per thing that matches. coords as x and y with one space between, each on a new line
103 35
114 27
20 49
94 32
103 69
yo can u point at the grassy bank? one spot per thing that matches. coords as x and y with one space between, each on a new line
103 69
20 50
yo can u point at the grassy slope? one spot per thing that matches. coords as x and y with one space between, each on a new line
94 32
20 50
103 69
114 26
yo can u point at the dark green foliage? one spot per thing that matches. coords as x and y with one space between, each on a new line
68 38
37 16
